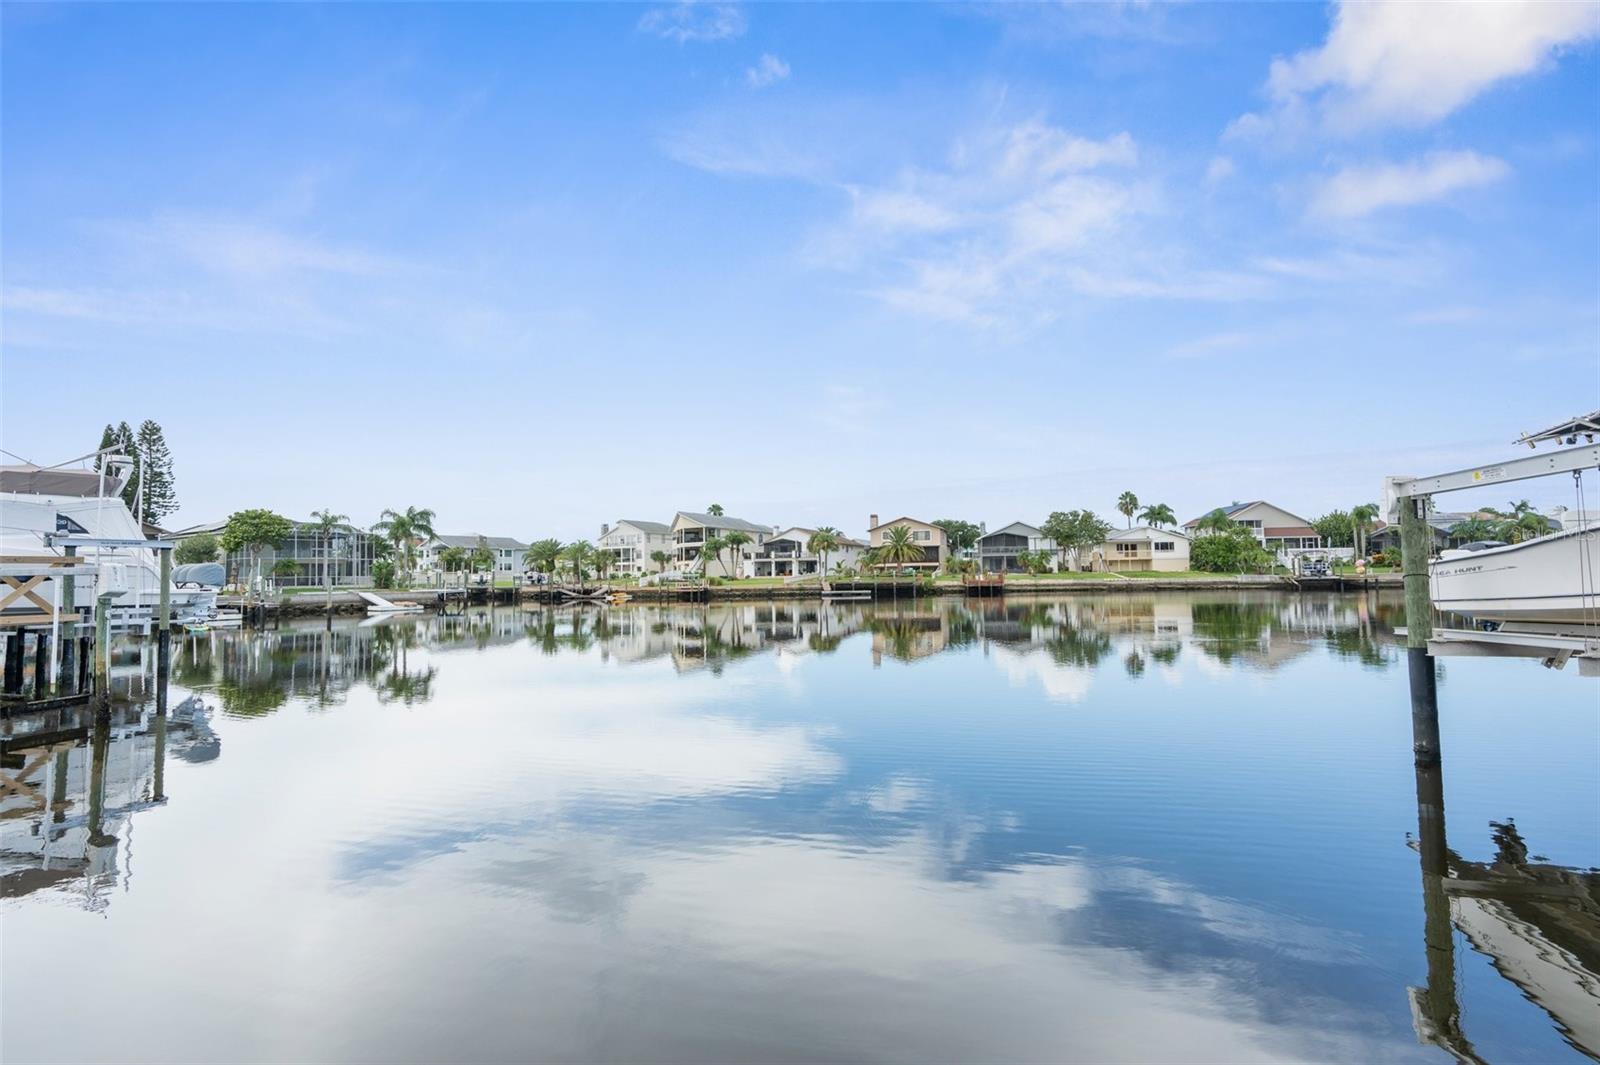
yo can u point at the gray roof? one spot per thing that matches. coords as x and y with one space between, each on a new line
1135 533
1026 530
844 541
652 528
711 521
471 541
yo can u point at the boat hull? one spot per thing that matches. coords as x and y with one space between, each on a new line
1535 581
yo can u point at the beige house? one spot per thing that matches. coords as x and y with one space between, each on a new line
929 537
1145 547
1276 528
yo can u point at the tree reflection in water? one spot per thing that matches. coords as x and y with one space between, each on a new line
254 673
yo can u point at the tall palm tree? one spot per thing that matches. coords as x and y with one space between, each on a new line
734 543
542 555
660 558
578 555
899 548
821 542
405 530
710 547
715 510
603 561
326 522
1158 515
1361 519
1128 503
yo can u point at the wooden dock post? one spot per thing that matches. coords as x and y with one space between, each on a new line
15 642
164 624
1436 1008
102 650
68 674
1415 540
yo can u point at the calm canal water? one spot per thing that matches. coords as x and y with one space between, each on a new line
1134 827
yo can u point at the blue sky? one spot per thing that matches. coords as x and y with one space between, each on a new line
539 267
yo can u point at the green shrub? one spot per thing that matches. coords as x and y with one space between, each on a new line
200 548
383 574
1232 551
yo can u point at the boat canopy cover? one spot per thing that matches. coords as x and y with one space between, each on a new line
207 574
1587 425
34 480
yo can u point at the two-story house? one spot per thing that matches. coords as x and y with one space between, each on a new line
1276 528
935 546
1145 547
507 552
786 554
998 550
632 542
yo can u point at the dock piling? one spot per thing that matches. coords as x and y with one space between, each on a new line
1414 543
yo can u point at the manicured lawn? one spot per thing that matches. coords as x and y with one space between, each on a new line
1068 575
1177 575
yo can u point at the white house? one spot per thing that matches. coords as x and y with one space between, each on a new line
785 554
507 552
691 529
1144 547
632 542
1276 528
998 550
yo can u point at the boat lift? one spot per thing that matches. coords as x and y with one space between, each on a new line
1406 501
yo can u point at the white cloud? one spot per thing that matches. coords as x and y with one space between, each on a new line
999 233
688 20
1400 63
768 71
1357 191
1220 169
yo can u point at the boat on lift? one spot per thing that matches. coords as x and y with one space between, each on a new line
1545 584
1547 580
43 506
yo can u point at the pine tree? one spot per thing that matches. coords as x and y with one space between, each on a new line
160 495
123 439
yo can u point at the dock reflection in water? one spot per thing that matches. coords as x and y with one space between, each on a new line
1132 827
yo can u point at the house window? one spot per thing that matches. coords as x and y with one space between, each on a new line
921 534
1164 545
1127 549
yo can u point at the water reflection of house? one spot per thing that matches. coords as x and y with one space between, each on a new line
908 635
73 781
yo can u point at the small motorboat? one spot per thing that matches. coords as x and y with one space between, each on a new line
1548 581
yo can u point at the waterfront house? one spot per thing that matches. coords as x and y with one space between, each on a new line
507 552
1144 547
785 554
935 546
997 551
691 529
349 555
631 542
1276 528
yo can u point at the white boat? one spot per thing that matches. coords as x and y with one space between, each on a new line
1548 581
39 504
